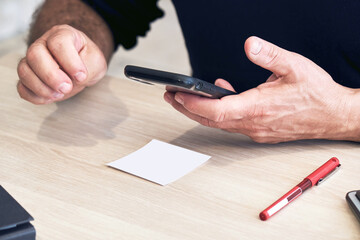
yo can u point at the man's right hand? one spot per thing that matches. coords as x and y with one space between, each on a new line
58 65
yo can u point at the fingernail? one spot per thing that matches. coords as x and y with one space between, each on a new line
65 87
80 76
179 99
58 95
256 47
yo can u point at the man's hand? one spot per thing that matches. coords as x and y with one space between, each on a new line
298 101
58 65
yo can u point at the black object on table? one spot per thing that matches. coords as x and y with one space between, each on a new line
14 219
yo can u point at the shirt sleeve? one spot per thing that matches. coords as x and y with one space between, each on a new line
127 19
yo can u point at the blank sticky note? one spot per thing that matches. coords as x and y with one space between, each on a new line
160 162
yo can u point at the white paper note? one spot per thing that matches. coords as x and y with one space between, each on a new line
160 162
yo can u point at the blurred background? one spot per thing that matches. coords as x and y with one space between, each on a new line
162 48
15 17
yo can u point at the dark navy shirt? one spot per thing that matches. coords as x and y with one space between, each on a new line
325 31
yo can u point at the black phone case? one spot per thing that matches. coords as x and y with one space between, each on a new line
353 199
190 84
14 219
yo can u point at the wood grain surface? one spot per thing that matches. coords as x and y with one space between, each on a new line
52 161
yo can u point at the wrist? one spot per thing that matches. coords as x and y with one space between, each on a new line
353 116
343 121
339 116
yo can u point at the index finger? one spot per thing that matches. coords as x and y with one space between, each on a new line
218 110
65 46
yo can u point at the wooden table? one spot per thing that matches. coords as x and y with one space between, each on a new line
52 161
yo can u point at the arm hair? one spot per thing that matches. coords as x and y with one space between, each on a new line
76 14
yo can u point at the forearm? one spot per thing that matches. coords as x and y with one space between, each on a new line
76 14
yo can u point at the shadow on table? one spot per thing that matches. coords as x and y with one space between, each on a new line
85 118
216 142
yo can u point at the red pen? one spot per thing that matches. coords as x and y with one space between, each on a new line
315 178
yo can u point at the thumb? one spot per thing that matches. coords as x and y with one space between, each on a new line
94 61
269 56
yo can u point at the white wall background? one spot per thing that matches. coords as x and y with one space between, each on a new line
15 16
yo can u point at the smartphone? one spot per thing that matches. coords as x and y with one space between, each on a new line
353 199
176 82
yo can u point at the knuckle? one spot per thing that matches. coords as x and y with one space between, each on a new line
263 111
273 56
258 135
209 123
60 27
22 69
36 101
251 111
220 117
218 114
39 101
26 96
102 69
258 139
58 35
258 110
301 65
188 105
19 89
55 43
23 95
43 92
206 122
50 78
32 53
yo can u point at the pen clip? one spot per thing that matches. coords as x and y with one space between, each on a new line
321 180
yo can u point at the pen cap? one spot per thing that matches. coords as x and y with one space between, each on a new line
324 170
